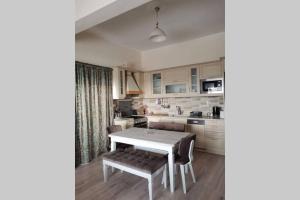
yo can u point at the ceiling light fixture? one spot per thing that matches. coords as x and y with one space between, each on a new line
157 35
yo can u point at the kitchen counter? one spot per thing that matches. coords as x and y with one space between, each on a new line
210 136
185 116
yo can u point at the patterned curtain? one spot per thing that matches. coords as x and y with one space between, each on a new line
93 111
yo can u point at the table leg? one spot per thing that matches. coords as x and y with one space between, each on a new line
112 148
112 145
171 170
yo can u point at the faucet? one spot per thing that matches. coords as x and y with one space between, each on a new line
179 111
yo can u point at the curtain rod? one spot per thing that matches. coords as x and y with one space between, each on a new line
92 65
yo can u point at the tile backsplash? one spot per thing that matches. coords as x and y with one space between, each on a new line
187 104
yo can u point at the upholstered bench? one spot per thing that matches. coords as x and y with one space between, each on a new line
138 162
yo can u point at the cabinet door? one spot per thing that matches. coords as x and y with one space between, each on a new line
211 70
194 83
200 136
215 136
147 85
175 89
156 80
175 75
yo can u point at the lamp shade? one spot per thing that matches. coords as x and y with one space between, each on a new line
157 35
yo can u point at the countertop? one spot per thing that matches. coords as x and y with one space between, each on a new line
186 116
175 116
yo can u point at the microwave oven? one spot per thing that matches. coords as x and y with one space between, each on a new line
211 86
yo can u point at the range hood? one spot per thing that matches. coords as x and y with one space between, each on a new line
132 83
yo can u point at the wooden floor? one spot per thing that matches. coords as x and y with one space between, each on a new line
209 171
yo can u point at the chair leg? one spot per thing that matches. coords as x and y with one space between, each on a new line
150 188
186 169
175 169
165 176
192 172
105 172
183 178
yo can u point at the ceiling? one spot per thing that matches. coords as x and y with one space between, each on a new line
182 20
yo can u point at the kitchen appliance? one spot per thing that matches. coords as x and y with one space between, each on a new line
196 114
211 86
132 83
127 112
196 121
140 121
216 111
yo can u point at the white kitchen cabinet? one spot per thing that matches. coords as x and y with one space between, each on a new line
118 84
211 70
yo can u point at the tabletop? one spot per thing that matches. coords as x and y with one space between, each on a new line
153 135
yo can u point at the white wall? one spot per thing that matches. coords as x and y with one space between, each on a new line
200 50
94 50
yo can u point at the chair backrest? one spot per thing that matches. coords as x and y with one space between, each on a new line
185 149
191 157
114 128
168 126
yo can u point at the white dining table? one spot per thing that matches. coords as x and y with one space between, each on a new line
160 140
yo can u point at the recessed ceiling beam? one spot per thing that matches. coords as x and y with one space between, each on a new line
92 12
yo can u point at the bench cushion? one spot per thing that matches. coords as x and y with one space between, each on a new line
144 161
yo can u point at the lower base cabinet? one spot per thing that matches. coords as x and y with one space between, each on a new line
200 136
209 137
124 123
215 136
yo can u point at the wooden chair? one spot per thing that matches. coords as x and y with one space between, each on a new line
184 159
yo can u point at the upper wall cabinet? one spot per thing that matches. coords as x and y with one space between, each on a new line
211 70
156 84
181 81
175 81
175 75
119 89
147 85
194 86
